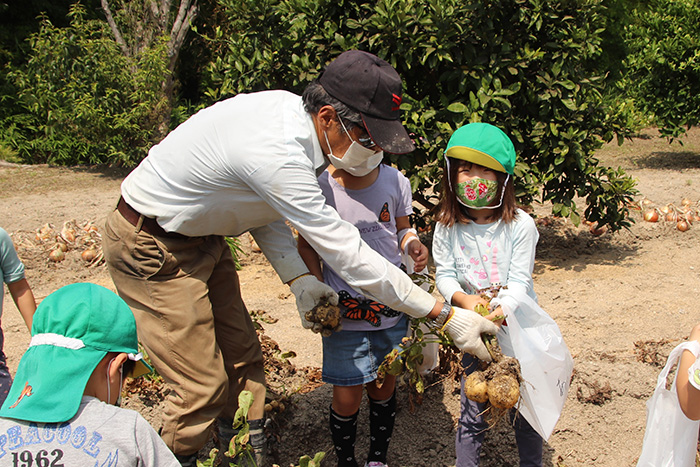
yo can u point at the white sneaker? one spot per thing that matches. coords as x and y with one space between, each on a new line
375 464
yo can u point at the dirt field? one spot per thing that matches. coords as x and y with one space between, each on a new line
622 302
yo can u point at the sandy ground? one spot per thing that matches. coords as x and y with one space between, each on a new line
622 302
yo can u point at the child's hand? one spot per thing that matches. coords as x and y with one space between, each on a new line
419 254
467 301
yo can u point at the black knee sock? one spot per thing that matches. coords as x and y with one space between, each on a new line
343 432
381 425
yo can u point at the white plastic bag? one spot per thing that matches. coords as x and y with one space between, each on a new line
431 351
533 337
670 438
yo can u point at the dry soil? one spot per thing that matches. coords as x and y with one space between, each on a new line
622 302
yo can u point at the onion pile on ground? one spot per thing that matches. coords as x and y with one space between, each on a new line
72 236
682 216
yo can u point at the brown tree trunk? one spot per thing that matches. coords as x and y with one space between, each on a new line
140 25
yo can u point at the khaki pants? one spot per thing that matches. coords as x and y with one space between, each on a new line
192 322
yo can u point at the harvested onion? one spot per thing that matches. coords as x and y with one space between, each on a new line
651 215
597 231
44 233
682 225
689 217
89 255
475 387
57 255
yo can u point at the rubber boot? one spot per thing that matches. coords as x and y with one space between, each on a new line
256 440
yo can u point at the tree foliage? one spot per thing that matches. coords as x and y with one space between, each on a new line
518 64
79 100
663 63
139 27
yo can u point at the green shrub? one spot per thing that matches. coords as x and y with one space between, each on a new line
519 64
663 63
79 100
8 154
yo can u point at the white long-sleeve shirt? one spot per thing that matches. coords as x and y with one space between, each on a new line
470 257
248 164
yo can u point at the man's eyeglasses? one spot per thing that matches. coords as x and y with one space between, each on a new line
366 142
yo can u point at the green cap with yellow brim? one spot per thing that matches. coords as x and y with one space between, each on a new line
483 144
72 330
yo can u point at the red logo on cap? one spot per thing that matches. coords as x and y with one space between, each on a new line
397 101
27 391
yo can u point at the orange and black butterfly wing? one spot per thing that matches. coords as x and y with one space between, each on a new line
353 310
345 299
371 312
389 312
380 309
358 310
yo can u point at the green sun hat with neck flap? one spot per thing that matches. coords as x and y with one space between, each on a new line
483 144
72 330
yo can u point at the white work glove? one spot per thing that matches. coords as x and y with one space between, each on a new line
310 292
465 328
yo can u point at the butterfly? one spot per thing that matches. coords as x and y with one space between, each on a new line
364 309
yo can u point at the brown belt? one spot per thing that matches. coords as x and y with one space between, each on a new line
148 224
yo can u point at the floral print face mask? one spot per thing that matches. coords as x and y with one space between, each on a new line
477 193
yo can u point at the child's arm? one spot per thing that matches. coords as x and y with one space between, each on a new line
24 299
522 263
310 257
411 244
688 395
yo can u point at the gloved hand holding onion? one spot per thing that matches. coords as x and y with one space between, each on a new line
317 304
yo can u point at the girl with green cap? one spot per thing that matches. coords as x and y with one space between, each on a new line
483 243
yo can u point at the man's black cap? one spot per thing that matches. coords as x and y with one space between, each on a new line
371 86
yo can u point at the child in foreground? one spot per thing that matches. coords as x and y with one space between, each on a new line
377 200
61 407
483 243
673 410
688 381
12 274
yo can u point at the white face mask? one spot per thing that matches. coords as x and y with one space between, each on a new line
503 190
369 165
357 160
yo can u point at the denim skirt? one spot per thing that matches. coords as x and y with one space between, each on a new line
351 358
